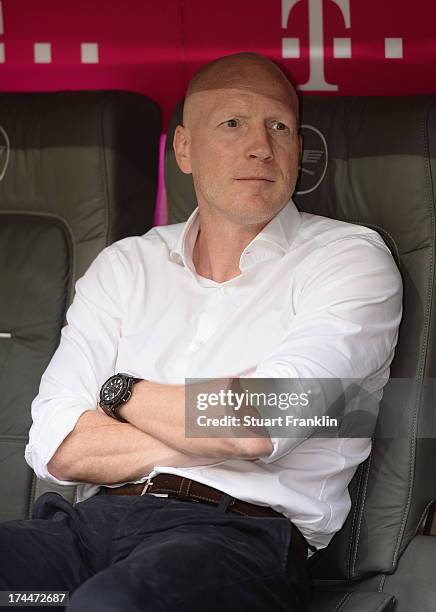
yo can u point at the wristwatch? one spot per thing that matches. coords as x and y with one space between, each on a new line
115 392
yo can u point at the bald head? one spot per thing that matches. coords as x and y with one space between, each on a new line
240 140
249 72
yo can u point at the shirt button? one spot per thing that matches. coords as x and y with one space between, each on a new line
199 343
226 290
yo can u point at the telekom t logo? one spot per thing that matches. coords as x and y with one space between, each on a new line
317 81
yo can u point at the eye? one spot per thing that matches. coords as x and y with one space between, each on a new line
279 126
231 123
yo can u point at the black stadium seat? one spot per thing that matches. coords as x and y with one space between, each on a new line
372 161
78 170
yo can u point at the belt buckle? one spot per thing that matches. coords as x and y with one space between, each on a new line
148 484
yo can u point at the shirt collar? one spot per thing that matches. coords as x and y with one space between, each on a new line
273 241
182 251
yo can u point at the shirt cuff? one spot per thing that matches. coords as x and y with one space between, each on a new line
281 447
43 444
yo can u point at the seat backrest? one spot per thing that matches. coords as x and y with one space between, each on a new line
78 170
372 161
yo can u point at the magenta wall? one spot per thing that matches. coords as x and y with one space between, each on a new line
153 46
334 47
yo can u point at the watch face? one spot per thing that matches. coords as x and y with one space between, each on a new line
112 389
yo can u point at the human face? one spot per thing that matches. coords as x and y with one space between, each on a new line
243 150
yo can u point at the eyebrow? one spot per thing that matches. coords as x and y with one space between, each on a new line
226 111
230 113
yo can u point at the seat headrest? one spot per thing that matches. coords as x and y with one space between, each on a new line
88 157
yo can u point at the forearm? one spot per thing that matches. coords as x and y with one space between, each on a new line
103 451
159 410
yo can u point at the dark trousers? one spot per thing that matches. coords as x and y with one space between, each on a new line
129 554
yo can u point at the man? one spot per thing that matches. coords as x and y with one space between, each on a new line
248 287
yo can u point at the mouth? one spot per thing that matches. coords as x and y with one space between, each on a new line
255 178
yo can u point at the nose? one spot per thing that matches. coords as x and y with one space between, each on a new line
259 144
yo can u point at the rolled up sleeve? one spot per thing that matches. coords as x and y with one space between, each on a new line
84 359
347 309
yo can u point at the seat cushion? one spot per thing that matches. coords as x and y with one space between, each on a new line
36 272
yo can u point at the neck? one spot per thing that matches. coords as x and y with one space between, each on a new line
219 245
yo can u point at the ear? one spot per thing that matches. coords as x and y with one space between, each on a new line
300 138
181 145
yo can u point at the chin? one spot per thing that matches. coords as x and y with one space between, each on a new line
254 212
258 205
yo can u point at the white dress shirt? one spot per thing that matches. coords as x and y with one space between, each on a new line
315 298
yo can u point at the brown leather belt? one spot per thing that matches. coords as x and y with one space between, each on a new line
186 489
